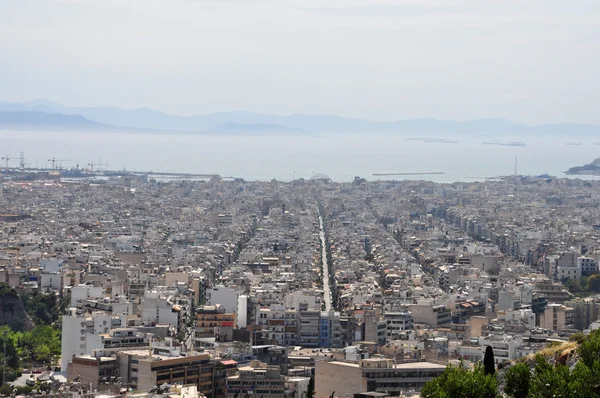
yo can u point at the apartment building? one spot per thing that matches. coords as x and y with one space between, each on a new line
587 265
210 318
83 334
397 323
309 328
431 314
257 379
142 370
279 324
373 375
330 330
98 371
586 312
557 317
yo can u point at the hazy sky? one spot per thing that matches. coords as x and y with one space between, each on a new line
532 61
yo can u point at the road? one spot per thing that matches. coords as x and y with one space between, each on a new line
326 291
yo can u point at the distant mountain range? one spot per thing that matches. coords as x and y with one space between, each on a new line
43 113
21 120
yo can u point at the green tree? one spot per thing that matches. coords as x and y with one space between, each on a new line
549 381
589 350
458 382
573 285
517 380
7 336
578 337
489 364
585 381
593 283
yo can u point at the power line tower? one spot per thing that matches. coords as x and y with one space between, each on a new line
22 160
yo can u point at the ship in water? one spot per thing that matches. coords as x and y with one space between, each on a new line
509 143
513 143
434 140
574 143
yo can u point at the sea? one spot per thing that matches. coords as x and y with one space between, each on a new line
340 156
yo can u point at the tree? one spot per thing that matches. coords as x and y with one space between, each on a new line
12 358
578 337
589 350
573 285
550 381
489 365
517 380
594 283
310 391
458 382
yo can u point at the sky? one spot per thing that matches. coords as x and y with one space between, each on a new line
532 61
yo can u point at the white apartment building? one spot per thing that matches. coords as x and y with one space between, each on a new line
280 324
50 282
505 348
157 307
568 273
82 335
82 292
225 296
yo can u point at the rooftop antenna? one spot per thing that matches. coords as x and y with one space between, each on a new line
515 166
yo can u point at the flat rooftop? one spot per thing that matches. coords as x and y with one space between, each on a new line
409 365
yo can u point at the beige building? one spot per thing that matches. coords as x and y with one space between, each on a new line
258 379
102 372
476 324
142 371
372 375
557 317
431 314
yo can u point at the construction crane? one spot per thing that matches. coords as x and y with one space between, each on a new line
7 158
98 164
54 160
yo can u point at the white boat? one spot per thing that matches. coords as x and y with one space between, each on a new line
513 143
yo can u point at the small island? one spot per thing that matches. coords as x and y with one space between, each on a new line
588 169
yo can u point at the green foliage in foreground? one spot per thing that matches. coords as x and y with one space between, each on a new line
458 382
517 380
541 379
38 347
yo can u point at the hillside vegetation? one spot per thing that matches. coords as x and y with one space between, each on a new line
561 370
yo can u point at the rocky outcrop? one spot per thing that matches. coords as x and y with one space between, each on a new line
12 311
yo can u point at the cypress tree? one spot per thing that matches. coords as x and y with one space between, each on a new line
310 391
488 361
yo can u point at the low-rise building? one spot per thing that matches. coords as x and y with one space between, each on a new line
257 379
373 375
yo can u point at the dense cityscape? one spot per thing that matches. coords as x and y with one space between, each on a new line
309 288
